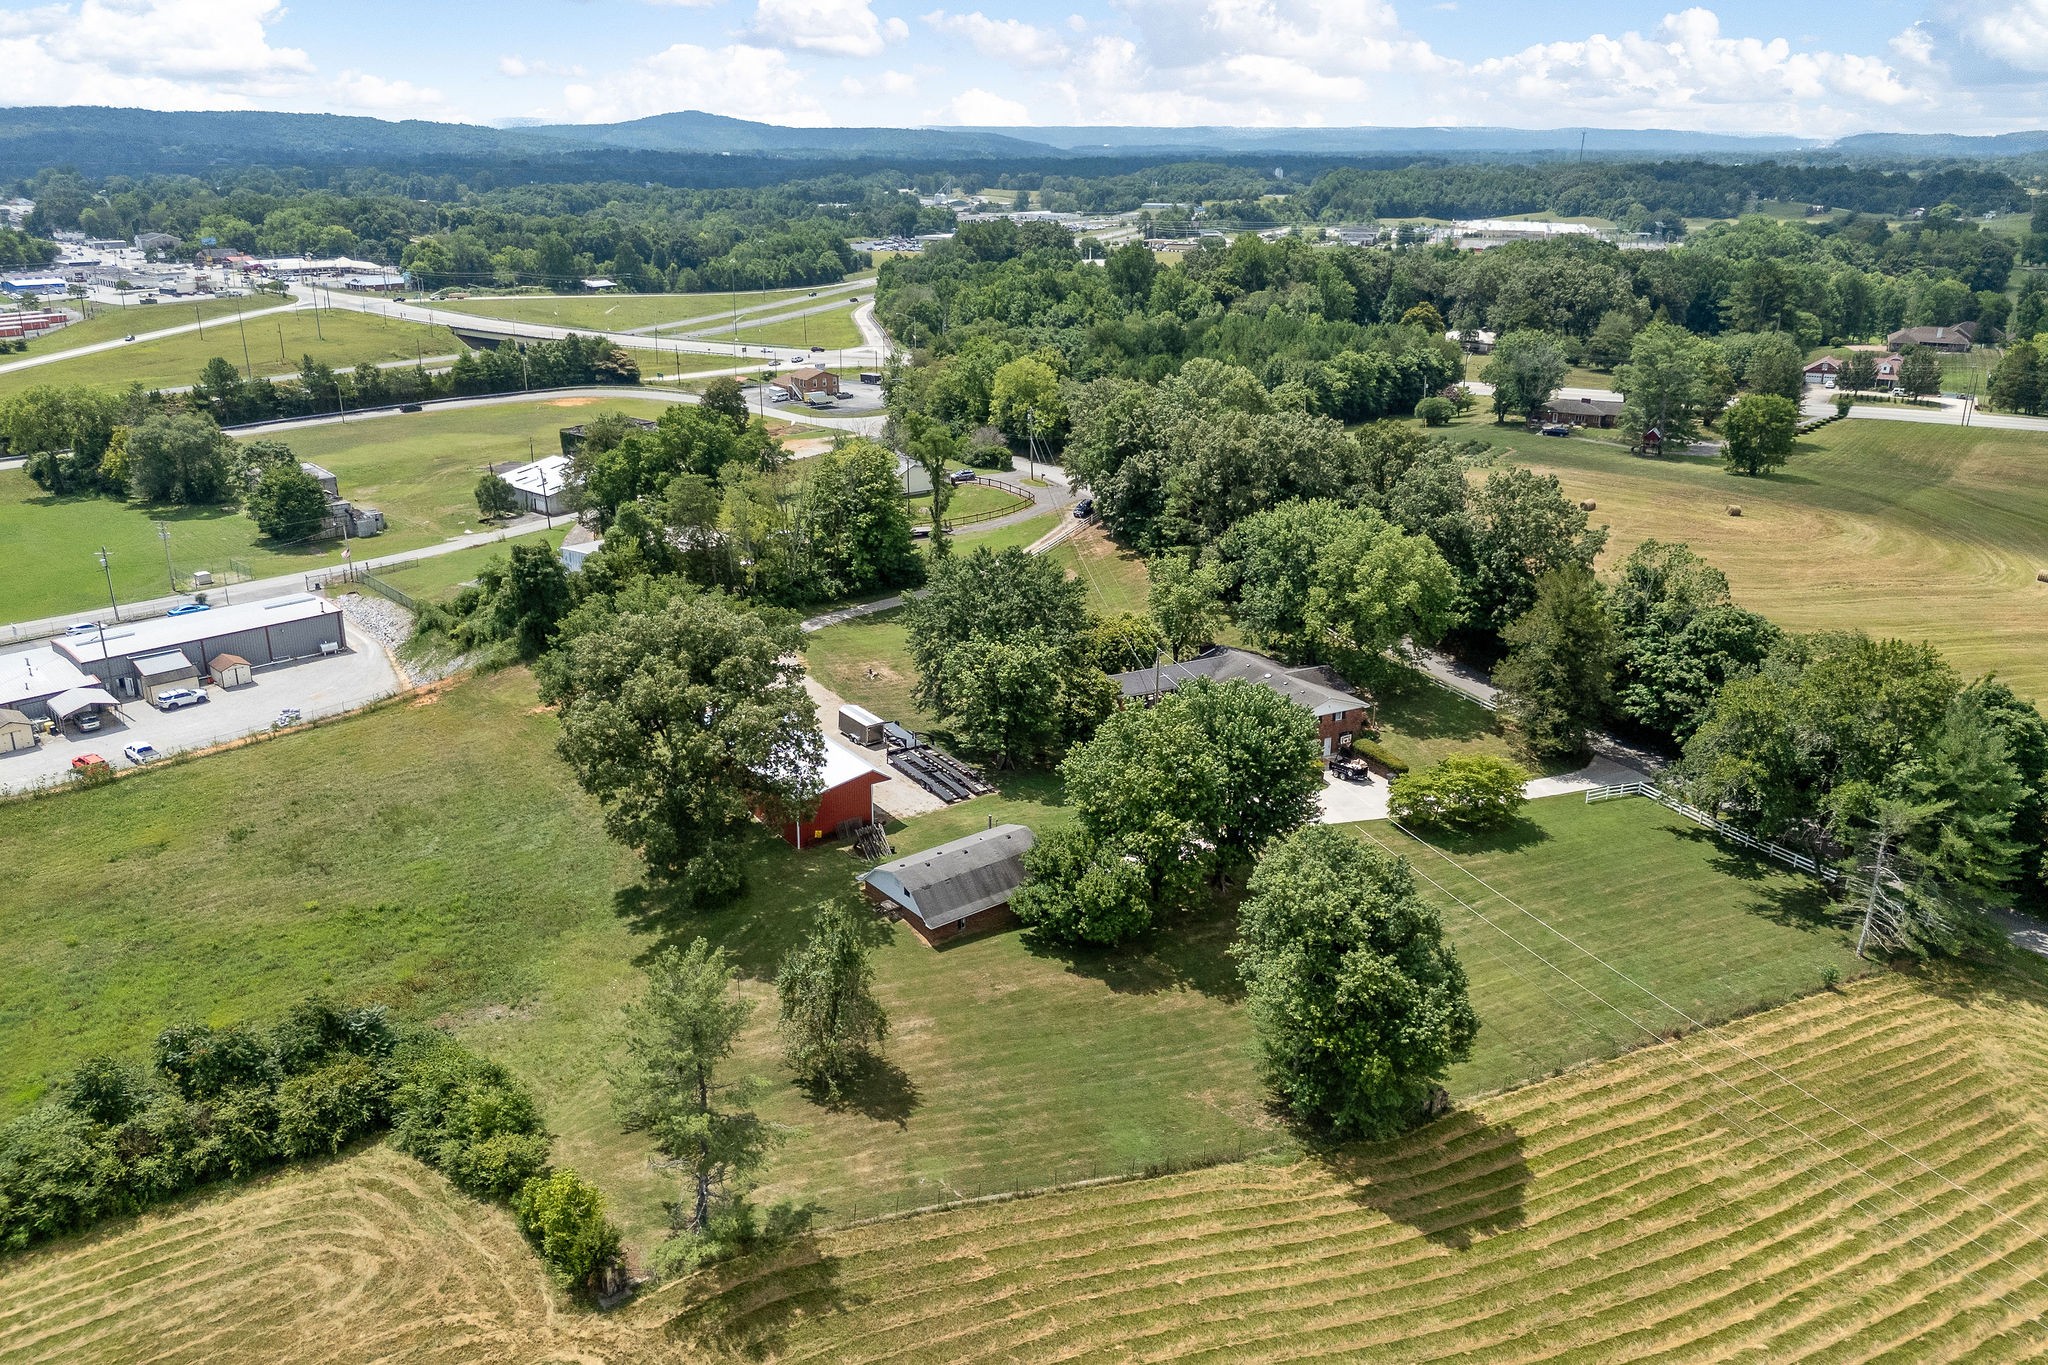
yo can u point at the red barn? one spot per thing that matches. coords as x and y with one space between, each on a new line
849 797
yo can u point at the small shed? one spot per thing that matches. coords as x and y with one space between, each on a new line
959 888
230 670
17 732
161 672
846 801
860 725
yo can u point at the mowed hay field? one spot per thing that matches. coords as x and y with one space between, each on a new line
369 1257
1858 1176
1900 528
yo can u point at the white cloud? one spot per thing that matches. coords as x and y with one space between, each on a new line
1009 40
839 28
740 80
183 54
2014 32
889 82
978 107
517 66
1687 68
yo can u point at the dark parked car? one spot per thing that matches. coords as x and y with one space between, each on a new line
1085 508
1557 429
962 476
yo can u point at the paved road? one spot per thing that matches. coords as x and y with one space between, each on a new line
469 322
54 356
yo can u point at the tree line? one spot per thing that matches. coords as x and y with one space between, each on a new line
227 1103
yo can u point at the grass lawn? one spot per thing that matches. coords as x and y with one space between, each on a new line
1916 530
1017 534
439 577
979 500
276 345
867 661
1115 577
612 312
444 862
833 330
112 322
420 469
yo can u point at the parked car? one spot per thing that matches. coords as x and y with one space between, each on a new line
188 609
85 722
962 476
817 350
814 293
129 337
176 697
82 628
1557 429
1085 508
139 754
288 717
86 761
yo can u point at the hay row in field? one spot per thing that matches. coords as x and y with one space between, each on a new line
1684 1202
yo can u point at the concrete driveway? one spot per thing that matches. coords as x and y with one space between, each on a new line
317 687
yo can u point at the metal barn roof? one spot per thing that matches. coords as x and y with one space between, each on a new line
948 883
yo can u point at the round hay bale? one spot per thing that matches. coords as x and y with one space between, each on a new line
1587 504
2041 577
1733 510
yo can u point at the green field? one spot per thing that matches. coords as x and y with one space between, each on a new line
616 312
1918 530
834 331
276 344
419 469
439 577
443 862
1114 577
1857 1177
978 500
112 322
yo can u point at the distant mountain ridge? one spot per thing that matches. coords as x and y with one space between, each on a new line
99 140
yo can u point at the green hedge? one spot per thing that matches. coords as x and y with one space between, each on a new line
1367 749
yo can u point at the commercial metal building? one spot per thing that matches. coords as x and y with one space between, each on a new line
29 678
260 632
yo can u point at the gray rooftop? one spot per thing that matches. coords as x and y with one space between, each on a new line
1241 665
946 884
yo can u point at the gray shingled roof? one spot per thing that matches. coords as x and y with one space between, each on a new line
1224 665
945 884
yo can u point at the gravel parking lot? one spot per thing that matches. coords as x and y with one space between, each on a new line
316 686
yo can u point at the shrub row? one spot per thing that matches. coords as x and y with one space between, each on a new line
1373 753
226 1103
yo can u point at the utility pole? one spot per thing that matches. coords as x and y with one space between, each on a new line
163 533
108 569
1031 441
248 370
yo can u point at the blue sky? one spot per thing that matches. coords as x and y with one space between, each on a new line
1736 66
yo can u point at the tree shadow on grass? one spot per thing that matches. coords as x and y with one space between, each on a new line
747 1307
757 928
1455 1181
878 1089
1518 835
1793 900
1411 706
1187 952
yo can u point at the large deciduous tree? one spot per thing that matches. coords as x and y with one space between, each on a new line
1521 526
1525 370
1556 679
1758 431
1681 637
1668 384
287 504
181 459
1358 1003
684 715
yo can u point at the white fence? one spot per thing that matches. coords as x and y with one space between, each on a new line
1790 857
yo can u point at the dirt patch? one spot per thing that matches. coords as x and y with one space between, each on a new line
570 402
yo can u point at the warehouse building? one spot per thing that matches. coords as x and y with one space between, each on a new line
29 678
135 658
